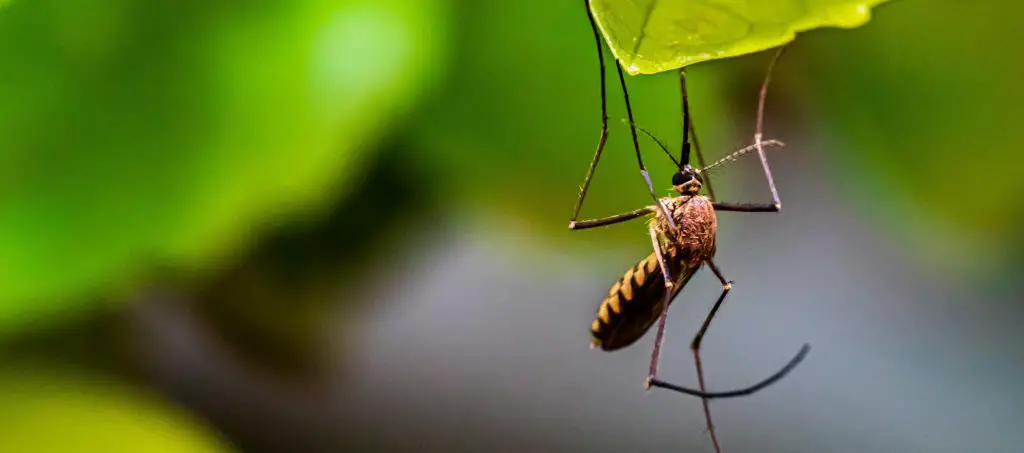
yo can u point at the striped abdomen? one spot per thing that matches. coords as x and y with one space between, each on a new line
632 305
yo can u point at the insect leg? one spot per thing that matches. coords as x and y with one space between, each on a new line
672 289
689 130
726 287
652 374
604 120
747 207
636 147
618 218
776 204
652 380
695 347
746 391
760 127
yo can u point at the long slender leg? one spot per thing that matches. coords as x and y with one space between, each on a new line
726 287
604 120
659 338
636 147
618 218
758 133
652 378
747 207
700 160
672 289
684 154
746 391
688 127
776 205
695 347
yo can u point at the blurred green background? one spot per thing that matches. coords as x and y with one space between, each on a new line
340 226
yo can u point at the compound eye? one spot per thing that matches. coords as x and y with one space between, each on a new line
681 178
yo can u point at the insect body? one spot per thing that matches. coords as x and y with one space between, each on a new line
683 235
642 295
682 230
633 303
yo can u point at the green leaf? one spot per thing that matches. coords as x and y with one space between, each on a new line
141 135
651 36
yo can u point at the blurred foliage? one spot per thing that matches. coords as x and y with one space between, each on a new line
48 409
651 36
278 307
140 137
162 133
921 109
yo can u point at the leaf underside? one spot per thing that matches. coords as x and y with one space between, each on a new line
651 36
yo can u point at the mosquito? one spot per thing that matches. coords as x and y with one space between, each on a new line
683 231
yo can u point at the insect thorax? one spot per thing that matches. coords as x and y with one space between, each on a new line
697 226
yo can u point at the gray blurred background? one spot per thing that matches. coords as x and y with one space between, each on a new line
478 346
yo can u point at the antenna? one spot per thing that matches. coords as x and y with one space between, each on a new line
737 154
659 142
684 155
